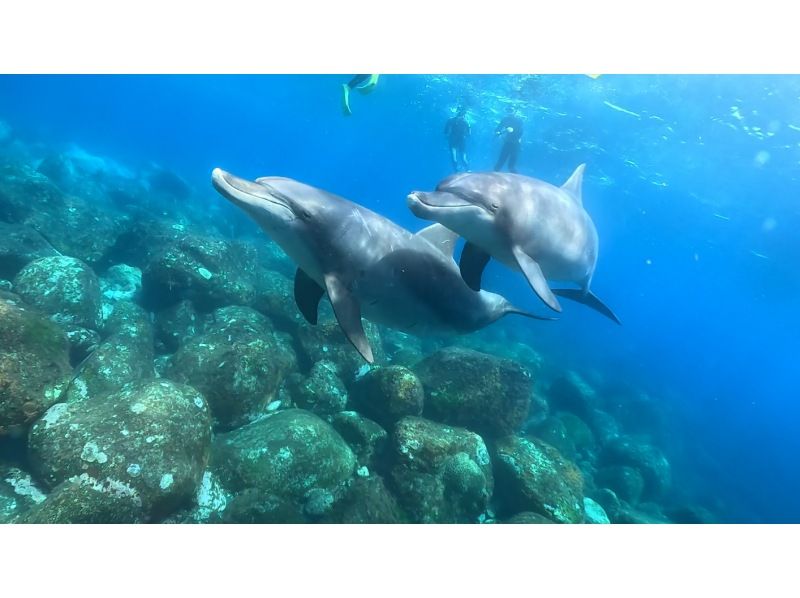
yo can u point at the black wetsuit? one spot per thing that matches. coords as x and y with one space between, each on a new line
457 131
512 143
358 80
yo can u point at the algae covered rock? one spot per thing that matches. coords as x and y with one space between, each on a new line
177 323
64 287
593 512
368 439
533 476
19 246
146 445
649 460
387 394
321 391
293 464
440 474
18 493
121 283
477 391
528 517
367 500
572 393
126 355
34 365
626 482
238 365
208 271
326 341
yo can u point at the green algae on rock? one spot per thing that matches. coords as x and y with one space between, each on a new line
238 364
368 439
367 500
176 324
649 460
488 395
321 392
533 476
440 474
626 482
63 287
292 456
126 355
19 246
326 341
150 442
528 517
593 512
34 365
18 493
388 393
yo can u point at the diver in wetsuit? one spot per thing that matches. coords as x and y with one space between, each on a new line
457 131
363 83
511 127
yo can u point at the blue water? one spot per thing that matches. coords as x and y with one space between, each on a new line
691 181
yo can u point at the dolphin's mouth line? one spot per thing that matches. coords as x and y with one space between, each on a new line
417 197
273 197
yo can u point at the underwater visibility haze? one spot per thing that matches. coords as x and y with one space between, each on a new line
162 359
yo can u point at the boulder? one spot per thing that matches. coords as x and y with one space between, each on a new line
648 459
488 395
19 246
389 393
368 439
146 446
321 392
176 324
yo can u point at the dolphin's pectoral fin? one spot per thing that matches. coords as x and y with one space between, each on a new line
533 272
589 299
473 261
440 237
348 314
307 294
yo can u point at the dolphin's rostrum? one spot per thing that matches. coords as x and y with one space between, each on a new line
527 224
366 264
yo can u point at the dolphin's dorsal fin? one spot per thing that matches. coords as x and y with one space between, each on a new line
574 184
440 237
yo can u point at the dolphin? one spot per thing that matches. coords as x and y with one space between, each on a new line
368 265
527 224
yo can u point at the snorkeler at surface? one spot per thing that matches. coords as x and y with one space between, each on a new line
457 131
363 83
511 127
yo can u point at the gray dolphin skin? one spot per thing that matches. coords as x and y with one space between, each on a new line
367 265
527 224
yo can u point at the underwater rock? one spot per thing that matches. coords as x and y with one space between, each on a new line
593 512
275 298
528 517
210 272
24 192
367 501
603 425
572 393
238 365
295 465
477 391
326 341
533 476
626 482
84 499
638 413
639 516
176 324
387 394
209 505
64 287
121 283
18 493
607 499
649 460
126 355
568 433
78 229
166 183
368 439
147 445
19 246
440 474
321 392
5 285
78 172
82 342
34 365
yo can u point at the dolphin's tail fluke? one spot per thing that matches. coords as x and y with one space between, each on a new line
589 299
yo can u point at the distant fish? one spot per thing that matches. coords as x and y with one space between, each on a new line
761 255
721 217
794 127
621 109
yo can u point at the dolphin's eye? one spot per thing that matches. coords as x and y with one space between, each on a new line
495 206
305 214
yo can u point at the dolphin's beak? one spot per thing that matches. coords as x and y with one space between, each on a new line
425 205
246 194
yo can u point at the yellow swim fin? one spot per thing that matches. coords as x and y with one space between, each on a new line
370 85
346 100
594 76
